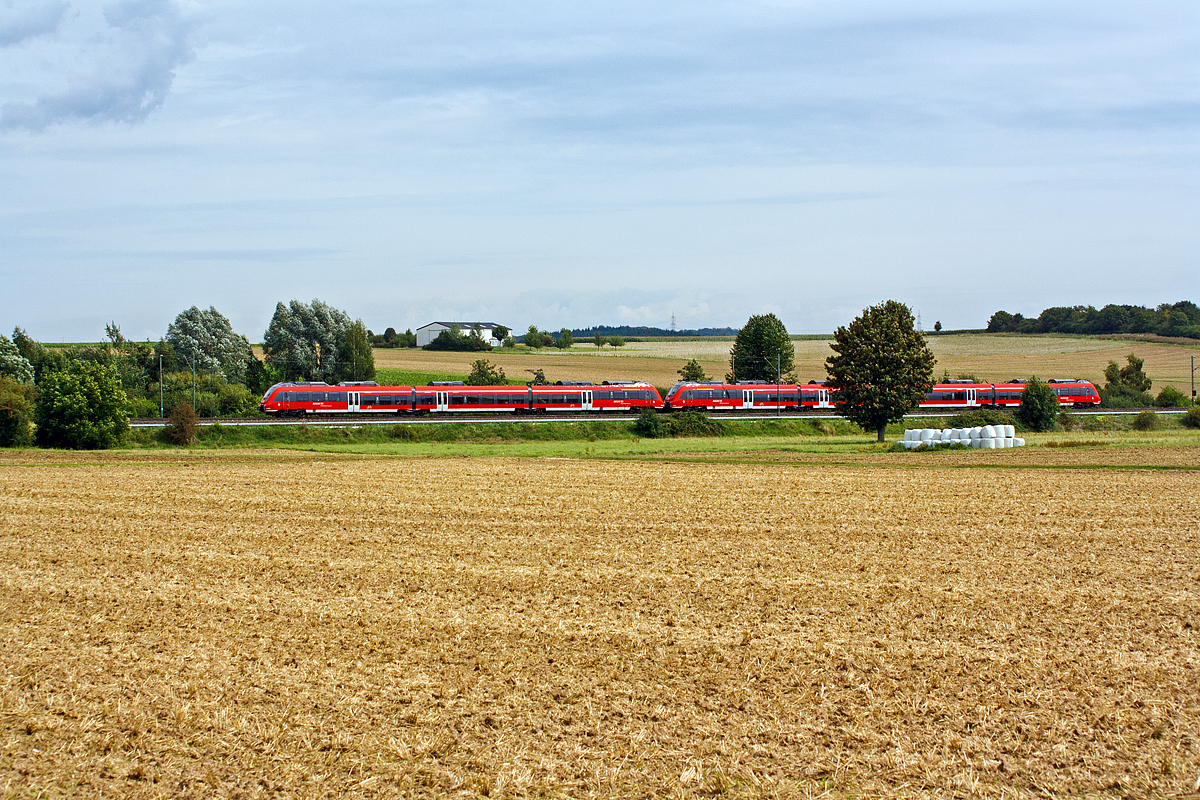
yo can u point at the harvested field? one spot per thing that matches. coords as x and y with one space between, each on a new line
300 625
991 357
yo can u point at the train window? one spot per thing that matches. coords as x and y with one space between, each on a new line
457 400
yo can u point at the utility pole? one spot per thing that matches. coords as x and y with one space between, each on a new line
161 411
778 380
1193 380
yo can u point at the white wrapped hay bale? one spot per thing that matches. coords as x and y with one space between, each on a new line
909 434
1009 432
989 432
976 433
1019 442
927 434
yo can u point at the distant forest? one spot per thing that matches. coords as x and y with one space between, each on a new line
1181 319
629 331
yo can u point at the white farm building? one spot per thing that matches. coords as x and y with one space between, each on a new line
427 333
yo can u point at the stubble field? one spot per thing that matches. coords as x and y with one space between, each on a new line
261 624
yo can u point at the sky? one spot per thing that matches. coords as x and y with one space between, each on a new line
574 164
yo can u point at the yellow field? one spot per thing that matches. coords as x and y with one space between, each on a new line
991 357
277 624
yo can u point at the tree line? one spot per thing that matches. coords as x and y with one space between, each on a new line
1178 319
83 396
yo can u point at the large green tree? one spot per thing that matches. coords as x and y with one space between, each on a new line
82 407
303 340
762 351
206 340
882 367
1039 407
356 359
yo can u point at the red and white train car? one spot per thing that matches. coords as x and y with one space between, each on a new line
299 399
964 394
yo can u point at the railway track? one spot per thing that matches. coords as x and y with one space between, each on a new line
355 420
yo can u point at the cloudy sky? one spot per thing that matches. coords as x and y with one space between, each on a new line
569 164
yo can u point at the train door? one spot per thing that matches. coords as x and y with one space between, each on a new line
352 401
823 398
971 401
747 398
587 401
443 401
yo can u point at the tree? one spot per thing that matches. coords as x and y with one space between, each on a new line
183 425
1039 406
882 367
1126 387
597 339
82 407
303 341
1129 377
484 374
535 338
937 326
539 377
207 341
13 364
692 371
356 361
762 352
565 340
500 333
16 412
453 339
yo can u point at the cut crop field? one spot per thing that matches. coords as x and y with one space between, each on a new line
991 357
287 624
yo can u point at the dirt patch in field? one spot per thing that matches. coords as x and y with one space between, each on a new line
316 627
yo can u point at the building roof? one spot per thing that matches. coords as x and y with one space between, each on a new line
466 326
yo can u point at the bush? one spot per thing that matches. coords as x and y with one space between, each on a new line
143 407
1039 406
649 425
1123 397
235 400
1145 421
82 407
483 373
1170 397
981 417
652 425
694 423
16 413
182 425
1192 418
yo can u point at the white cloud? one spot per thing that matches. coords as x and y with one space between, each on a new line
117 65
26 20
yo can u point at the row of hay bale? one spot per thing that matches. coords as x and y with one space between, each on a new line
987 437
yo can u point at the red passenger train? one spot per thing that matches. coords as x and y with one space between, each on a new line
951 394
298 399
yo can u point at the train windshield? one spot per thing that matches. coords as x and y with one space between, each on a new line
268 392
